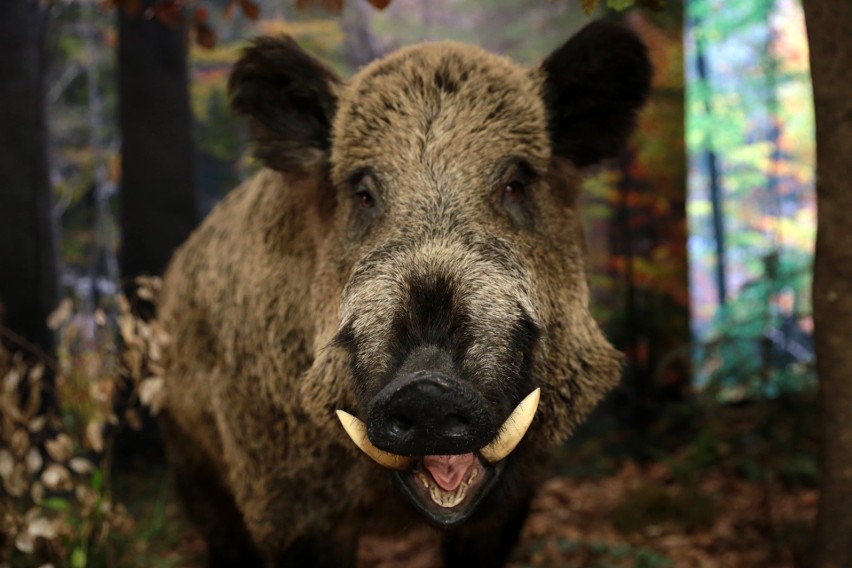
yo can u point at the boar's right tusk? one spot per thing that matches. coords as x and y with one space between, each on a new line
513 429
357 430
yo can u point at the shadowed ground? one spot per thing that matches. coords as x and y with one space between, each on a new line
634 518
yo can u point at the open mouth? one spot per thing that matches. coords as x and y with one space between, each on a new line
449 487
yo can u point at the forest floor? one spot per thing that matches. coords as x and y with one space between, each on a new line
640 519
651 516
635 518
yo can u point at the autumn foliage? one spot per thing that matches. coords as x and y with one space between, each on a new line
55 462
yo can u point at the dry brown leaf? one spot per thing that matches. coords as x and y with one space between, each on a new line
143 330
11 380
33 405
123 305
34 461
37 424
95 435
37 492
151 393
250 9
36 373
81 466
56 477
589 6
7 464
20 443
61 314
133 361
24 542
126 327
60 448
16 483
102 391
41 527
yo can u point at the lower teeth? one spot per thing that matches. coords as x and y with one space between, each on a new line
447 499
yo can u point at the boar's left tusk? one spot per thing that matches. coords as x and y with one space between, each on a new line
357 430
513 429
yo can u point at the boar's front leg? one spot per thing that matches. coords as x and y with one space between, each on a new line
207 501
489 544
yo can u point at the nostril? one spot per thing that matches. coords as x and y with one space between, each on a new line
456 425
399 425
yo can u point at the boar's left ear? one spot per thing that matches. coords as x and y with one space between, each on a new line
289 99
593 87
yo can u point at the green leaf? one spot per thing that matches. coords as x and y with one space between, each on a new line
78 558
619 5
56 503
97 480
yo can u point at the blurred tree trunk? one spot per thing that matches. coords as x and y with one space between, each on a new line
159 206
714 176
830 54
159 200
28 257
648 236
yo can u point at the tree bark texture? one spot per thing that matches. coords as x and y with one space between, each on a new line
159 205
830 54
28 254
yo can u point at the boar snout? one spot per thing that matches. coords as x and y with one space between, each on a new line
429 413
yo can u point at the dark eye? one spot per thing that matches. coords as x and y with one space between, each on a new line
365 199
515 189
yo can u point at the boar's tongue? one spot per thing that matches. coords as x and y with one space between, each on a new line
448 471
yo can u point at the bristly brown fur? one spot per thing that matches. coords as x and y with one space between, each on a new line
291 301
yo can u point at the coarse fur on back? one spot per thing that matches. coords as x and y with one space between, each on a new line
418 220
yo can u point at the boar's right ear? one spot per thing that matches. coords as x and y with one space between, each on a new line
594 85
289 99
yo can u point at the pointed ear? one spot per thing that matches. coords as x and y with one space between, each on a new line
289 100
594 86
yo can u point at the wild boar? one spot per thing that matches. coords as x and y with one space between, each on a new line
389 324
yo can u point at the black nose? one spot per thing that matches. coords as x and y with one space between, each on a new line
429 413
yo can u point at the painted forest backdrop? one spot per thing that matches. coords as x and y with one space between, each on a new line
748 132
700 239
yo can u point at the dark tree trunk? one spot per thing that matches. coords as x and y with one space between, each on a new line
714 176
830 53
159 200
159 206
28 257
655 314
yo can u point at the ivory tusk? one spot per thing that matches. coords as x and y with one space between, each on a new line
357 431
513 429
